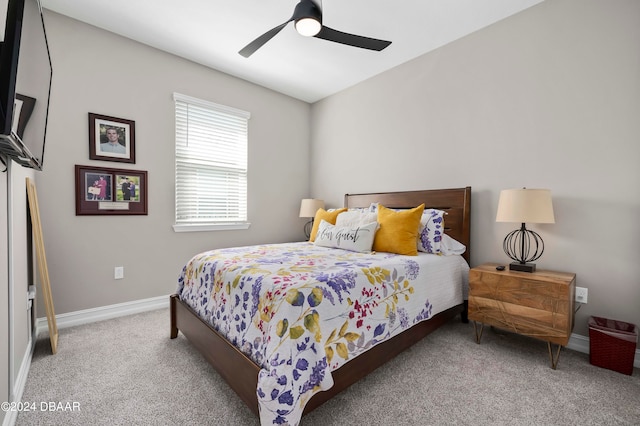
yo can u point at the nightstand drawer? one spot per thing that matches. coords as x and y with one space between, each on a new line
543 324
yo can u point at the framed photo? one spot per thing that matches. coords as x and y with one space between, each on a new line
112 139
107 191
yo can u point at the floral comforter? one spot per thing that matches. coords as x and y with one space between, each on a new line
301 311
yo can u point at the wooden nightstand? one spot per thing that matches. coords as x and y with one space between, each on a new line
538 304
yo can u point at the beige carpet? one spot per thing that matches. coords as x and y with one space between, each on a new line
127 371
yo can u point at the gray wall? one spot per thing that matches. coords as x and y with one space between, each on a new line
549 98
99 72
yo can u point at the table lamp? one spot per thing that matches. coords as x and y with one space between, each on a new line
524 206
308 208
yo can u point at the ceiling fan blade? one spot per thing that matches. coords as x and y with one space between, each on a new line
330 34
256 44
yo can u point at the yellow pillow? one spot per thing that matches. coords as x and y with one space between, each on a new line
398 231
328 216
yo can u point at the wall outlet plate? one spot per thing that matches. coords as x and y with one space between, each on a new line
118 273
582 294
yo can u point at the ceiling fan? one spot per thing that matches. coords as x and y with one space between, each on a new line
308 21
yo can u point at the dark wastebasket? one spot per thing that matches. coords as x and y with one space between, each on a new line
612 344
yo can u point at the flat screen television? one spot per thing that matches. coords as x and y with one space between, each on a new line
25 84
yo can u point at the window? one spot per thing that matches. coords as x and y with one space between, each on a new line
211 166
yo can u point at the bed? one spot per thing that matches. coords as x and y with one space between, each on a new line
255 372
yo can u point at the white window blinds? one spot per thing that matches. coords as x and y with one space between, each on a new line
211 165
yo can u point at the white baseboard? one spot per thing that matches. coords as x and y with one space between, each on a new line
581 344
21 382
87 316
576 342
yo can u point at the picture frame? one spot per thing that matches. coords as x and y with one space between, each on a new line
109 191
112 139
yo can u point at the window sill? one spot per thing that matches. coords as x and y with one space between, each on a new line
211 227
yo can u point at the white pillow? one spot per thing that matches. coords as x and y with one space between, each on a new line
355 218
450 246
355 238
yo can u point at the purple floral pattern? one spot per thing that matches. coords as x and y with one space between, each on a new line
300 311
431 231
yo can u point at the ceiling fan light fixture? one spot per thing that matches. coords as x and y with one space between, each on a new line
308 27
307 18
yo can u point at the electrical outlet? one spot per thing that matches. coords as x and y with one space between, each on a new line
118 273
582 294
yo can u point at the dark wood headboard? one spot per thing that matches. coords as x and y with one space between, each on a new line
456 202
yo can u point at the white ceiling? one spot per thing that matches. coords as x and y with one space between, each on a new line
211 32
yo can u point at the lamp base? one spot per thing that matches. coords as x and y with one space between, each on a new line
308 227
522 267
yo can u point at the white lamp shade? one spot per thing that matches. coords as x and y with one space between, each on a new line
525 206
309 207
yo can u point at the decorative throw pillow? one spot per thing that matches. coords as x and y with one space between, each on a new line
355 238
398 230
355 218
322 214
431 231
